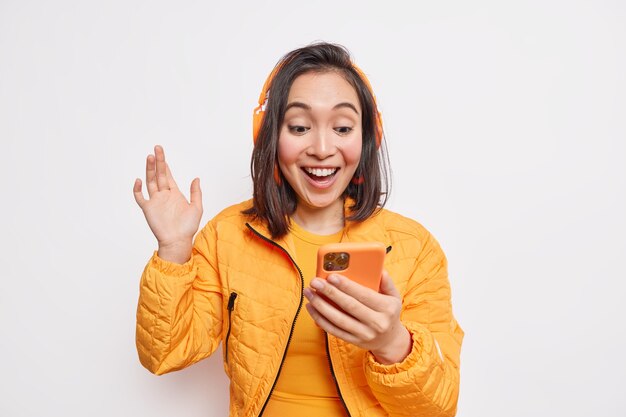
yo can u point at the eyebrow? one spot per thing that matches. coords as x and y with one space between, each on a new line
300 105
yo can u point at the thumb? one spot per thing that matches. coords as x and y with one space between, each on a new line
387 286
195 193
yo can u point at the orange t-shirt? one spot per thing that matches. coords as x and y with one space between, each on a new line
305 386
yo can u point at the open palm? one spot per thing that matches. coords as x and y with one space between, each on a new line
172 219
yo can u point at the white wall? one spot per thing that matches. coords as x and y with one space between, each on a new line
506 131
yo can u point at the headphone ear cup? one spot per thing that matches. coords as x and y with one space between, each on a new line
259 111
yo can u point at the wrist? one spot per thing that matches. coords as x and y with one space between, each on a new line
179 252
397 349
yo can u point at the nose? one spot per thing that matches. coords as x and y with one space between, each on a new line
322 144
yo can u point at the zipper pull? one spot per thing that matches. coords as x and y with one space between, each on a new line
231 301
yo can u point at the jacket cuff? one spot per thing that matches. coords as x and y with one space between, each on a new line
170 268
420 355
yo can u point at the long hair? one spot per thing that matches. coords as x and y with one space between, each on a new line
275 201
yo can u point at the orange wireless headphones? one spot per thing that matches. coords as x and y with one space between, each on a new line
259 111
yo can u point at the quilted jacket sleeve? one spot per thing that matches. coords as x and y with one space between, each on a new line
426 383
179 313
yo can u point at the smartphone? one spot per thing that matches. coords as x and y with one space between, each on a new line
362 262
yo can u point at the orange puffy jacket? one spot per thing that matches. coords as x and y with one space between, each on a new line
244 289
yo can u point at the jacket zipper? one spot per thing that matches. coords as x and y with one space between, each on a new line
332 372
293 324
231 307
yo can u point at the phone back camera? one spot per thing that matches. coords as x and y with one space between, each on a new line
334 261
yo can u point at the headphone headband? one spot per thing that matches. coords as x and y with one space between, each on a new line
259 111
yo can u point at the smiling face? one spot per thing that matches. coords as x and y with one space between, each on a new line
320 141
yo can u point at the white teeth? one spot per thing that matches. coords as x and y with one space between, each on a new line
321 172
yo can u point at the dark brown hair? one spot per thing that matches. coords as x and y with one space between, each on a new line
274 202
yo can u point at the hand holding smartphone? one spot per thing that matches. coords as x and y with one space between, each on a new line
361 262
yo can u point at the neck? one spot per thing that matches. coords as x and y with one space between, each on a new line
321 221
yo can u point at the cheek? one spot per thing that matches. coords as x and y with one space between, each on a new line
287 151
352 153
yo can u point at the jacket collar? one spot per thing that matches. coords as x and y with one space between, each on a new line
371 229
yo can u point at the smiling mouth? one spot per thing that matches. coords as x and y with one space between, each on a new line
320 174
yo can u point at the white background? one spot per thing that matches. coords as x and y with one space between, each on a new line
506 128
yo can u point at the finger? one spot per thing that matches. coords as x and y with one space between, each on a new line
170 179
387 286
195 193
364 295
151 183
138 193
329 327
161 175
347 302
340 317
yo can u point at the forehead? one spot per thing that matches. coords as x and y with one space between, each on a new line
322 88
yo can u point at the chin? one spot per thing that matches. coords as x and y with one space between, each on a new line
317 202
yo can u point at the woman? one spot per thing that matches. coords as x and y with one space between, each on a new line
319 177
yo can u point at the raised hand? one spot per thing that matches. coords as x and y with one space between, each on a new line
365 318
173 220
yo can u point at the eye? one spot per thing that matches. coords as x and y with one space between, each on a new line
343 130
298 130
